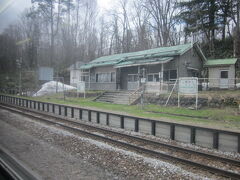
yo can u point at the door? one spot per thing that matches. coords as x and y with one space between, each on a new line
223 84
132 83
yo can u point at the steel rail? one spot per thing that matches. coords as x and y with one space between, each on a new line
152 142
212 169
14 170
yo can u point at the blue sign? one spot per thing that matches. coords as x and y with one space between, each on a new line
45 73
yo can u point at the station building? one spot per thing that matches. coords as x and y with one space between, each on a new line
158 67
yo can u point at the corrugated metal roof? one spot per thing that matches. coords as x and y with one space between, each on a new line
146 55
143 61
217 62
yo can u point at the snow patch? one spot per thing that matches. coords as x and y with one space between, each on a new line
53 86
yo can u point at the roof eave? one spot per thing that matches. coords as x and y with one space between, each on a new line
151 63
198 49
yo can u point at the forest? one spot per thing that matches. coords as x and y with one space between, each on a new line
57 33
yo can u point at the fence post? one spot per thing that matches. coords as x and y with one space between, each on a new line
136 125
172 132
107 119
153 128
72 112
98 117
193 135
59 109
122 122
80 113
89 115
65 110
215 140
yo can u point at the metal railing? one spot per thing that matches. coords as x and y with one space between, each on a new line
203 136
135 95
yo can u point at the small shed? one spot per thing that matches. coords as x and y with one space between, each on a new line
222 73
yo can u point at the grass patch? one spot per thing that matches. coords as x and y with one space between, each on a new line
219 118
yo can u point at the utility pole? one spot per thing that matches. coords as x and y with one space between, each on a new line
19 65
143 81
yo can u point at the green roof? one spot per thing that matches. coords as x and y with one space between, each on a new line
220 62
143 61
146 55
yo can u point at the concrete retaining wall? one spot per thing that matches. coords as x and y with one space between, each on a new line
129 124
103 118
114 121
183 134
228 142
145 126
205 137
162 130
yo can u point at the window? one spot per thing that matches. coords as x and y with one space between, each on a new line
113 76
132 77
153 77
165 75
224 74
156 77
169 75
106 77
150 77
96 77
173 74
84 78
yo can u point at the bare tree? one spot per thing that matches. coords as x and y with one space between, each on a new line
162 12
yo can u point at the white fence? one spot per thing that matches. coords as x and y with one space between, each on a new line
218 83
204 84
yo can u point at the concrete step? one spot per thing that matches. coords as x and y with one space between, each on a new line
116 97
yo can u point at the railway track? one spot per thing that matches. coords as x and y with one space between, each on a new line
219 165
11 169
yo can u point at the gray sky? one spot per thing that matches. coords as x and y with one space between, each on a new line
10 11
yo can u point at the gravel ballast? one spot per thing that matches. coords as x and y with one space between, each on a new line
58 154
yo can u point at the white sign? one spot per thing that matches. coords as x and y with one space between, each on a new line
143 80
81 86
188 85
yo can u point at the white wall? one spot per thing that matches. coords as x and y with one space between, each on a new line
74 77
214 72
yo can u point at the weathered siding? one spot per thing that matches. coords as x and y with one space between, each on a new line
192 59
124 75
178 63
214 76
101 85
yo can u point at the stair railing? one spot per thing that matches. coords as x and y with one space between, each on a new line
134 95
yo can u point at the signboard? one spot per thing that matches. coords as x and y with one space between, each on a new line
81 86
45 74
143 80
188 85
